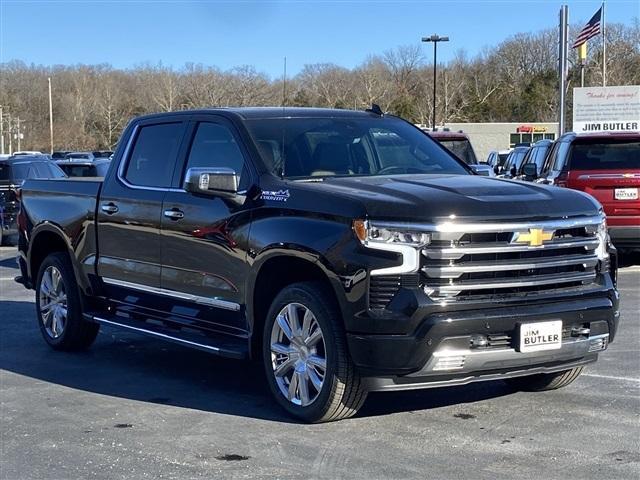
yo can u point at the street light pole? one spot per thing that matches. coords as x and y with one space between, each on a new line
435 39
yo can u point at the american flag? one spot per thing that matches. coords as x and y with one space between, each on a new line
590 30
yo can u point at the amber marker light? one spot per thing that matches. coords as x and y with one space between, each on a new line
360 229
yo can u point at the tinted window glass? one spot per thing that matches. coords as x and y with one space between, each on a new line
154 154
461 149
79 170
605 156
5 171
561 155
215 146
306 147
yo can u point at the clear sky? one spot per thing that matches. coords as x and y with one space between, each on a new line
260 33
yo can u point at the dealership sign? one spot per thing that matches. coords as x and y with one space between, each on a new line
606 109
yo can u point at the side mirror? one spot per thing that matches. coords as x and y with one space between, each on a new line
530 171
496 169
481 169
513 171
219 182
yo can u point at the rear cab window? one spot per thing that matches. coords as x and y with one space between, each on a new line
607 154
152 160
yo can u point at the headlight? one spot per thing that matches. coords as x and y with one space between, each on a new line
385 234
603 244
393 238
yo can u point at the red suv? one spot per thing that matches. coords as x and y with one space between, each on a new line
607 166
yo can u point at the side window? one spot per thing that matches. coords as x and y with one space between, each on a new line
154 154
561 156
215 146
550 158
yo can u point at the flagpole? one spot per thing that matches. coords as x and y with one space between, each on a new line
604 51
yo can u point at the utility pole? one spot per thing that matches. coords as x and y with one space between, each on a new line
19 134
563 46
1 131
50 116
435 39
9 124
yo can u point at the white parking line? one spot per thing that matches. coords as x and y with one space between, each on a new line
611 377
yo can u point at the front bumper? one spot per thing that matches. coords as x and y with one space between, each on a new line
439 352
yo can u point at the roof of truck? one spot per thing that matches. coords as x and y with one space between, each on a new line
251 113
603 135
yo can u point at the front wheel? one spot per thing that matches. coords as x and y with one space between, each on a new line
545 381
58 306
308 367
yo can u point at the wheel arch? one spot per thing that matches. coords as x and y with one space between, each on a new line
47 239
278 269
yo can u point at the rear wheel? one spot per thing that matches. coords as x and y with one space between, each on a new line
58 306
308 368
545 381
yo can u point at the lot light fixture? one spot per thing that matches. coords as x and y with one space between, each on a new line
435 38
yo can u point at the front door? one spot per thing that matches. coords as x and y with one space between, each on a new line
204 237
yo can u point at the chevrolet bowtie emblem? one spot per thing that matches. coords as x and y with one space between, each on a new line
534 238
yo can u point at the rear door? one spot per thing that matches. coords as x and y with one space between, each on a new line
130 210
608 169
204 237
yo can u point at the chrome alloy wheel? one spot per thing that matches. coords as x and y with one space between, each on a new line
53 302
298 354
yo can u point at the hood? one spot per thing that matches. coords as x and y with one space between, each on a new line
431 197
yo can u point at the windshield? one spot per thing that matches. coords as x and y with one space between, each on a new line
515 159
83 156
322 147
610 155
461 149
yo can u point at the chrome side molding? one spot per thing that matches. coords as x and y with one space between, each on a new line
212 302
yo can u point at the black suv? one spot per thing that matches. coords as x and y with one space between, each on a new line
13 171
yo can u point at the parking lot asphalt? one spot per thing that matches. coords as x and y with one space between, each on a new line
135 407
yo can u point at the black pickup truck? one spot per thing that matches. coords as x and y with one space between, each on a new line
345 250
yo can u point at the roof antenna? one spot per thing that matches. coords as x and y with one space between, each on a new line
284 105
375 108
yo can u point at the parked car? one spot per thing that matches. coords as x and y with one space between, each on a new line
607 166
496 159
13 171
81 168
60 154
102 153
513 162
346 250
86 156
27 152
536 155
459 144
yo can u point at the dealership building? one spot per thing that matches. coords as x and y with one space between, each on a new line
502 136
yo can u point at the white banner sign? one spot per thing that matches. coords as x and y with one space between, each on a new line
606 109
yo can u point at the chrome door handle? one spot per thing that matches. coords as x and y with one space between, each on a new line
174 214
109 208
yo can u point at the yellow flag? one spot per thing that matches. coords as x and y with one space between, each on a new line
582 52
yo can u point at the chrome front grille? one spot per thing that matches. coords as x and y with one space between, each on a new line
487 261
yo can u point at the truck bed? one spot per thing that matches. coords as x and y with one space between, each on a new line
65 204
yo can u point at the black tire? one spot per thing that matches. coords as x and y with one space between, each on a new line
545 381
77 333
342 392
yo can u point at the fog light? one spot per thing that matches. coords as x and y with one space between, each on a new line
479 341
